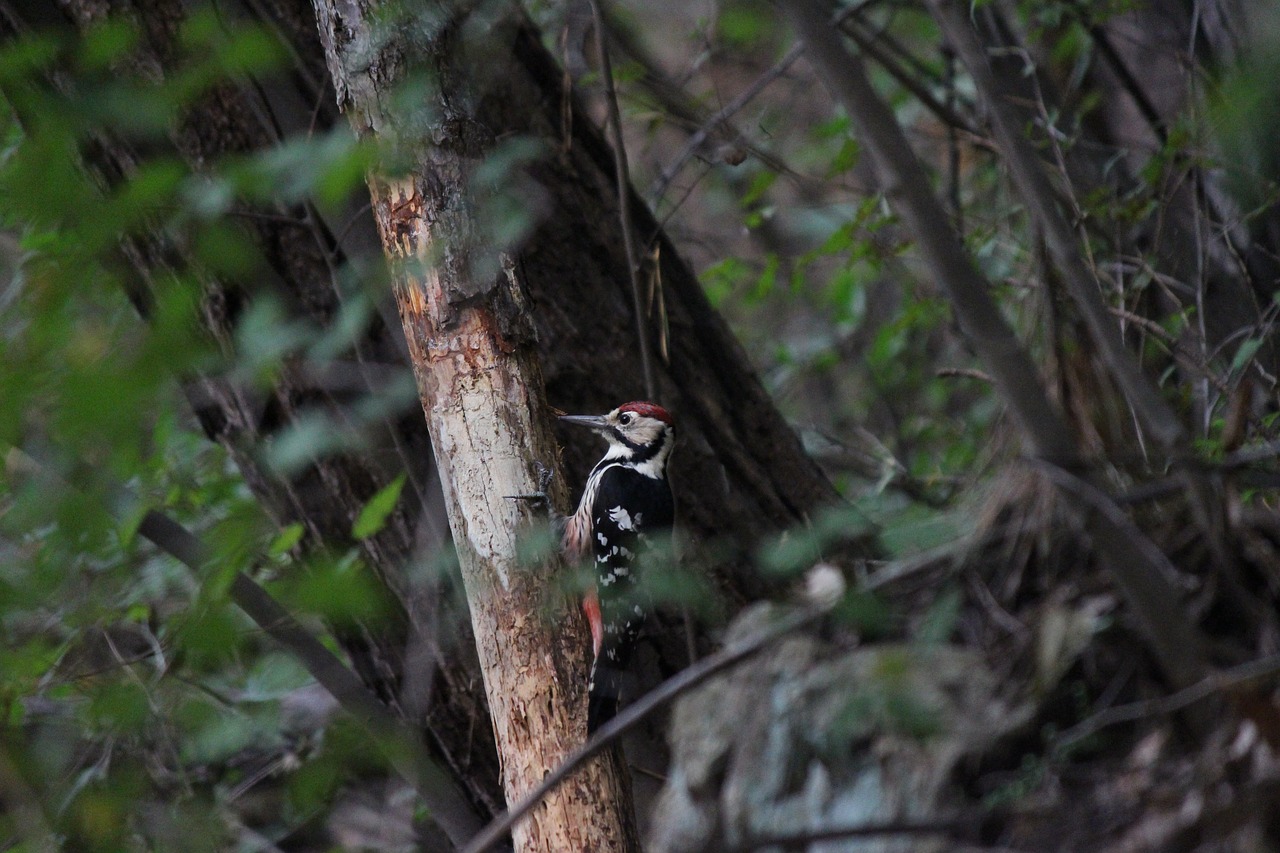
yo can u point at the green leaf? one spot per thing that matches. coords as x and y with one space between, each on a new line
308 438
273 677
940 620
341 589
106 42
744 26
127 528
846 158
374 514
1245 354
286 539
120 705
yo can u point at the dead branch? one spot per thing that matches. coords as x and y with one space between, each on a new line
1218 682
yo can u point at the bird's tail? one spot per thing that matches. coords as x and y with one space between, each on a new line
621 623
604 695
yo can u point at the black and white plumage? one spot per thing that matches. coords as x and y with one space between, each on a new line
626 499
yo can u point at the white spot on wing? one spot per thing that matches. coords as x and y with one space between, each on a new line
622 518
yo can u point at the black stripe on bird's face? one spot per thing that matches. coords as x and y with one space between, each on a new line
639 452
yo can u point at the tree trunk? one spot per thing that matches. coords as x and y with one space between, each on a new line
474 353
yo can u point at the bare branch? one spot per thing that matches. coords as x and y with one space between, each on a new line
959 828
945 113
1218 682
659 188
962 373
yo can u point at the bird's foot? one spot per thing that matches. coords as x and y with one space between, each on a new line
540 498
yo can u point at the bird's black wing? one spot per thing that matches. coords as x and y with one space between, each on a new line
628 508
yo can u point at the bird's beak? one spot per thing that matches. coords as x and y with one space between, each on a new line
595 422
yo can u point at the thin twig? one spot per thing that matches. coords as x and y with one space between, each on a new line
661 225
963 373
1033 184
1118 66
1175 347
953 143
659 188
1217 682
1177 483
954 829
943 111
635 713
623 181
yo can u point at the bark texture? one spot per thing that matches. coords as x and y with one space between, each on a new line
472 348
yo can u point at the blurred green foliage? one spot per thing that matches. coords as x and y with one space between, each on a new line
137 701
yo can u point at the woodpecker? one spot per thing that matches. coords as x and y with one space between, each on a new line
626 500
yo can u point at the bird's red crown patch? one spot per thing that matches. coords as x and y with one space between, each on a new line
649 410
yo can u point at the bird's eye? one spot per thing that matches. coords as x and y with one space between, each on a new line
625 418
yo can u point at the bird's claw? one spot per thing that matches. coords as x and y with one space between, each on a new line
542 496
